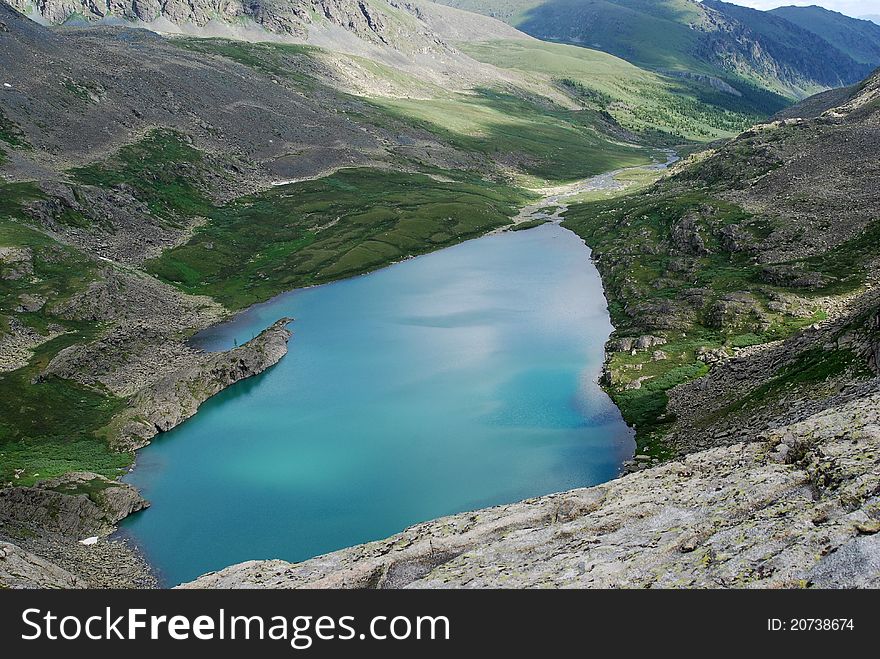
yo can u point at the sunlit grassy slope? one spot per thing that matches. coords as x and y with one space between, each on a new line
644 102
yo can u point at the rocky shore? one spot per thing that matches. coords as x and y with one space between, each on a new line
177 396
56 534
794 508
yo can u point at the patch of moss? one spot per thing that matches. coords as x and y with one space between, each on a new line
11 133
93 488
313 232
163 169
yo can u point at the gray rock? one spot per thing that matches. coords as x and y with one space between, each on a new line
21 569
76 505
854 565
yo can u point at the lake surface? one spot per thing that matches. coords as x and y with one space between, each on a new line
449 382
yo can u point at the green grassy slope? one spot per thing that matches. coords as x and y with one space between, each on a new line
47 425
653 34
646 274
650 105
338 226
742 246
860 39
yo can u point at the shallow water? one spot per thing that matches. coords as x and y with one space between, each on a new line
449 382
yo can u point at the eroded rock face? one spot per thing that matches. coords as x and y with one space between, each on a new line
75 505
285 17
797 507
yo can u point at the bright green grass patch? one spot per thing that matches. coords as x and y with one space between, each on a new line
47 459
47 427
549 145
57 271
645 408
93 488
317 231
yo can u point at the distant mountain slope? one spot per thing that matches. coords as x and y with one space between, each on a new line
709 38
860 39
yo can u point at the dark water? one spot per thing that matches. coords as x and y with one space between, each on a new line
454 381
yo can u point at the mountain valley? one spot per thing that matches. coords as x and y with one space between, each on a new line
164 166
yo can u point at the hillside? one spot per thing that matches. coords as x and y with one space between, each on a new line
860 39
104 185
743 47
754 264
145 201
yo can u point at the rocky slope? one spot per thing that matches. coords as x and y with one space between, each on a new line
54 535
415 35
177 396
756 265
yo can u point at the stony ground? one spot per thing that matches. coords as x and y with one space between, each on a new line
43 529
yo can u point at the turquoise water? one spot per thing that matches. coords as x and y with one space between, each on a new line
449 382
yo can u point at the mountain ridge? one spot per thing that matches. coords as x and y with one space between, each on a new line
860 39
740 45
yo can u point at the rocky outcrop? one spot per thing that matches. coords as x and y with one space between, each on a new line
285 18
146 321
56 535
177 396
76 505
797 507
637 344
22 569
